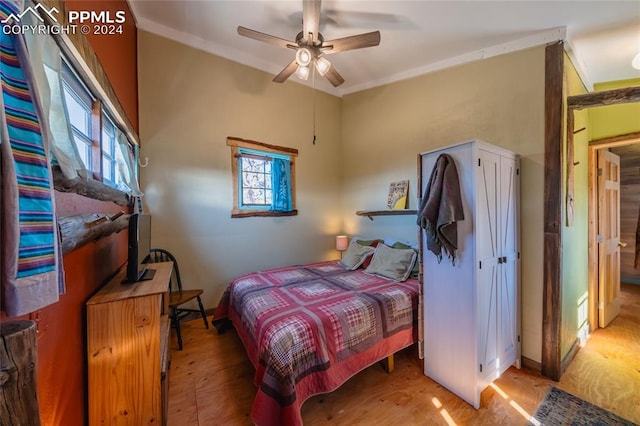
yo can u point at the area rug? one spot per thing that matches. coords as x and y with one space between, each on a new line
561 408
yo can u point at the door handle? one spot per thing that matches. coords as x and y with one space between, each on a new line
621 244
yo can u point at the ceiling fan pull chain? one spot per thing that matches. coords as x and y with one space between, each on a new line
313 100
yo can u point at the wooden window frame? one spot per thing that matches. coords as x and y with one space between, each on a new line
96 138
236 144
113 146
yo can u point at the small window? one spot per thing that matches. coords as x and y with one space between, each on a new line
263 179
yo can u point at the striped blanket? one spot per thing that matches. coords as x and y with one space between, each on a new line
307 329
30 245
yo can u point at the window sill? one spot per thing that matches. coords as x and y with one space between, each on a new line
262 213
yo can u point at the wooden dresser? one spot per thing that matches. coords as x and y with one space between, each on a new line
128 351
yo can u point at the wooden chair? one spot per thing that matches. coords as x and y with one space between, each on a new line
177 296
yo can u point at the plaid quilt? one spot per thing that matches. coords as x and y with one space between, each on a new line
307 329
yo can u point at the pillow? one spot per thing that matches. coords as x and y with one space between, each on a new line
355 255
392 263
370 243
415 272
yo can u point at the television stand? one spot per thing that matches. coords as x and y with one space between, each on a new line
128 351
147 275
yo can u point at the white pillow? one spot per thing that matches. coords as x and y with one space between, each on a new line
392 262
355 255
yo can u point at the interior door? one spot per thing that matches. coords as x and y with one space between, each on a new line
608 237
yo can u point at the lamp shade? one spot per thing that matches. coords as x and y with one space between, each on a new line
636 62
303 57
302 72
342 242
322 65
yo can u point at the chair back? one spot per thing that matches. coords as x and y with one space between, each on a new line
161 255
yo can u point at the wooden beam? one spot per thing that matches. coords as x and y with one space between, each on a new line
636 261
78 230
89 188
262 213
608 97
552 285
18 374
620 140
247 143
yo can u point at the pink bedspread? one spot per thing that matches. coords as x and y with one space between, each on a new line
307 329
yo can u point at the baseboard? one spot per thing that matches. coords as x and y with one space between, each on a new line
530 364
575 347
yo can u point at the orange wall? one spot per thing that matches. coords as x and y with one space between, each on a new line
62 327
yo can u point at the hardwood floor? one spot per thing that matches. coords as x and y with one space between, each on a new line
211 383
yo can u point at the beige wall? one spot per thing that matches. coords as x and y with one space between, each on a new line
499 100
614 120
190 101
575 238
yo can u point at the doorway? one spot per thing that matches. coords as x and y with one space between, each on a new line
614 195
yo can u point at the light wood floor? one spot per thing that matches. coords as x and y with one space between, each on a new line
211 383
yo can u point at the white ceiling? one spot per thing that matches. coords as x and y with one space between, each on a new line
417 37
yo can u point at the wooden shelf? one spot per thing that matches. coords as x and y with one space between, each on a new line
389 212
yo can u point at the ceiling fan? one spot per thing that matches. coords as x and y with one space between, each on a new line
311 47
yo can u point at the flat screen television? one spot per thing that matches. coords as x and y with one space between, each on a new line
139 247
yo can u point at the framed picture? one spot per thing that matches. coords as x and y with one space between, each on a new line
397 198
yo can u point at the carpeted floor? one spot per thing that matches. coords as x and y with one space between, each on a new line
561 408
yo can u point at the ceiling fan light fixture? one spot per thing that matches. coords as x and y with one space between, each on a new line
303 57
302 72
322 65
636 62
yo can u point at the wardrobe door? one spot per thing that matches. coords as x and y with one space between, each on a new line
508 293
488 254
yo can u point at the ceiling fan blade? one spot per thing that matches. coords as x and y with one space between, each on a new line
266 38
310 20
334 77
352 42
286 72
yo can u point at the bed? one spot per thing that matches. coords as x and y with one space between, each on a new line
308 329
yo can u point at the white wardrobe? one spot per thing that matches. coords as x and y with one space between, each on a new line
472 309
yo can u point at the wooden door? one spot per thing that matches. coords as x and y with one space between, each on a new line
608 237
